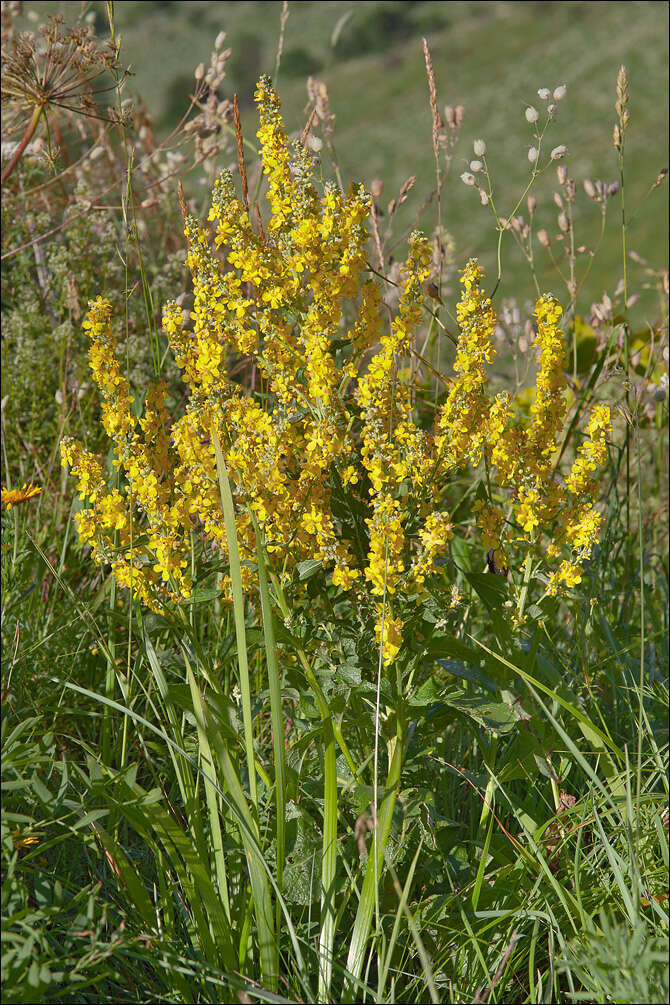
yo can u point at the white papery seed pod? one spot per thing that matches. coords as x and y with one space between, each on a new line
560 92
532 114
468 179
533 154
479 147
559 152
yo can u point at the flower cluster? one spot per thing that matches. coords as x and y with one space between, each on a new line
291 364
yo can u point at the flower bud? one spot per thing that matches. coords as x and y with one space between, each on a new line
199 71
563 223
479 148
532 204
532 114
220 39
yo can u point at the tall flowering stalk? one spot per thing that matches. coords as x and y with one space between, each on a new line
325 448
332 418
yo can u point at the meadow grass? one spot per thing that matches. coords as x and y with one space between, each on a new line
242 794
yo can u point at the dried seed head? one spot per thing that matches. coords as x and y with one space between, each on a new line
450 116
560 92
632 300
543 238
219 40
622 85
661 176
483 197
468 179
460 114
617 137
544 93
551 111
563 222
532 114
533 154
199 71
559 152
562 174
479 147
558 200
532 204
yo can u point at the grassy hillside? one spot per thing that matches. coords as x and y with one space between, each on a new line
491 57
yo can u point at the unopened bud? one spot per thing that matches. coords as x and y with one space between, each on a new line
590 188
532 204
533 154
543 238
220 39
199 71
558 200
479 147
563 222
532 114
560 92
559 152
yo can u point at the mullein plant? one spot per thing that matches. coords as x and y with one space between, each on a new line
326 447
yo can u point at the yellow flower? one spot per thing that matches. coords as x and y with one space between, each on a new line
11 497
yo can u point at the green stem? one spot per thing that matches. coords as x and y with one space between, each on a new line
366 904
